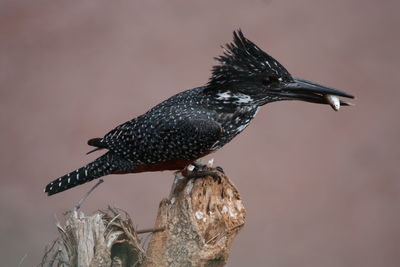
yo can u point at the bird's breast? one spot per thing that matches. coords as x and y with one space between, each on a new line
234 123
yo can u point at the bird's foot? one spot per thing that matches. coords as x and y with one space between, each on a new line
201 174
199 170
199 166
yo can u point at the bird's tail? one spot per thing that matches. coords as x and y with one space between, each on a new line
104 165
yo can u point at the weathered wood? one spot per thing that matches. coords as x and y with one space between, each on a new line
195 226
202 218
106 238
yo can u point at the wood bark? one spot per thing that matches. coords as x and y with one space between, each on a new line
195 226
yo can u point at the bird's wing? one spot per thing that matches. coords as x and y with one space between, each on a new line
158 140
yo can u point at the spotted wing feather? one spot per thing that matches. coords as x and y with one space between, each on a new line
151 141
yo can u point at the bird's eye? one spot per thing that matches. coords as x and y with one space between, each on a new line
266 81
270 81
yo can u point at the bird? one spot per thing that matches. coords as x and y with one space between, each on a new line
194 123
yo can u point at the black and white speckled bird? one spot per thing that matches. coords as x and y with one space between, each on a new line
199 121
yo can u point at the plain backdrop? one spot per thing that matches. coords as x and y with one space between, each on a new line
321 188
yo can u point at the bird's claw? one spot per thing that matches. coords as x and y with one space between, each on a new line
219 168
215 176
199 171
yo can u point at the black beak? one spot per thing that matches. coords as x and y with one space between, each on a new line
308 91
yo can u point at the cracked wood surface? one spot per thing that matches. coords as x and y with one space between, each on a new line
202 218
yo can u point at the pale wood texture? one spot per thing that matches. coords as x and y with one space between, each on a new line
195 226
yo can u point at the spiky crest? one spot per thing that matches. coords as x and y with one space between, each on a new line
242 61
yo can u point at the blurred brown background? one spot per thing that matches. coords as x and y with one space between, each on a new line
321 188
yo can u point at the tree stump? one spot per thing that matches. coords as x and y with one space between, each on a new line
195 226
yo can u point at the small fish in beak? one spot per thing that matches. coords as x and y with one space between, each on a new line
333 101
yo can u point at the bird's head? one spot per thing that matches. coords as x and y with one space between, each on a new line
246 75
